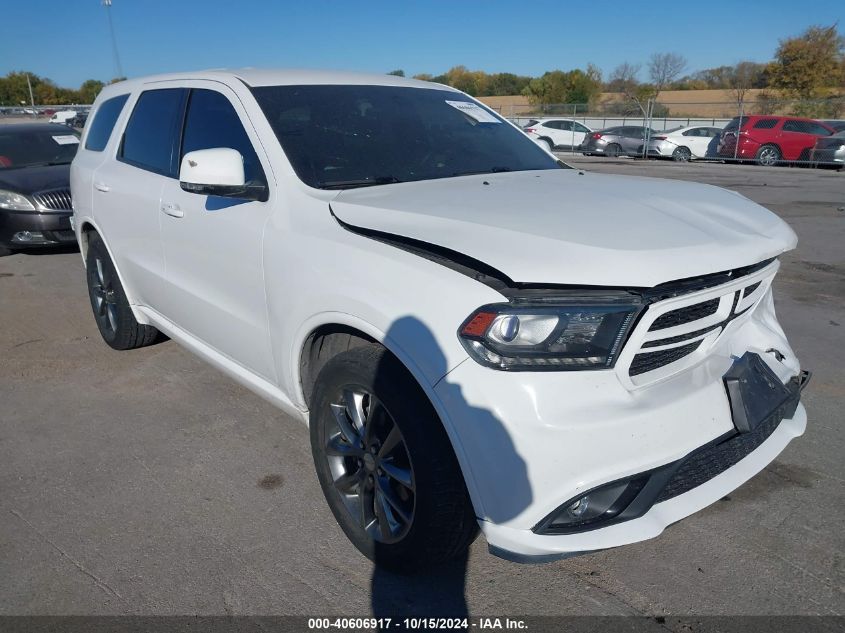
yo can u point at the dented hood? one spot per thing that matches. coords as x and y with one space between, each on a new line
570 227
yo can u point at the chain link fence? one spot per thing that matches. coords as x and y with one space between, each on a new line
764 130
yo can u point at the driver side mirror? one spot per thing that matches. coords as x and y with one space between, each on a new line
218 172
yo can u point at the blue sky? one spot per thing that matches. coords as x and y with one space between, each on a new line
68 40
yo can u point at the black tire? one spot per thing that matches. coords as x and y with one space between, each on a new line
682 155
768 156
5 250
434 520
112 313
549 145
613 150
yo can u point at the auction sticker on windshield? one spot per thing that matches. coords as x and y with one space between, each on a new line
474 110
66 139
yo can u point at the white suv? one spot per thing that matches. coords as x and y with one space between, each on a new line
477 334
557 133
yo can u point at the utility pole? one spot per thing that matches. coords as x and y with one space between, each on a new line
31 100
118 67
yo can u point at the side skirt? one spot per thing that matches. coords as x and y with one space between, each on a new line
234 370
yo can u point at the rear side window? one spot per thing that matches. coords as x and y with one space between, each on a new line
765 124
806 127
734 124
101 128
149 141
212 122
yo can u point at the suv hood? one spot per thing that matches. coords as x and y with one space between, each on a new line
571 227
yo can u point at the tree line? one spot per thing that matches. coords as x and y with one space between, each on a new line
14 90
809 67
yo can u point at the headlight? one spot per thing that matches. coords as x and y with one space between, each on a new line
554 334
14 201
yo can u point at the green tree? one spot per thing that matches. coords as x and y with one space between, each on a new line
89 90
557 86
398 72
807 66
14 89
505 84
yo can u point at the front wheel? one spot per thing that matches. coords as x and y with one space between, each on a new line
114 317
385 464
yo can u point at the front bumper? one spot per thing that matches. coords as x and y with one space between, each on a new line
529 442
53 226
526 546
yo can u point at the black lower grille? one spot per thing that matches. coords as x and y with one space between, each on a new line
704 464
649 361
686 314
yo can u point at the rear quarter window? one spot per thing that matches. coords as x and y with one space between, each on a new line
100 129
765 124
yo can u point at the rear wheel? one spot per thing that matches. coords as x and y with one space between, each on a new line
613 150
385 464
114 317
546 144
682 155
768 155
5 250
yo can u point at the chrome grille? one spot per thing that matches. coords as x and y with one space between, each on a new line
53 199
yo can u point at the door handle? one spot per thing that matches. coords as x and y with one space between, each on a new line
99 186
172 210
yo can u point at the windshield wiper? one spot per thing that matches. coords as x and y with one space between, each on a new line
48 163
492 170
360 182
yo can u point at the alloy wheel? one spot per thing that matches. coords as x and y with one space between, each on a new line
682 155
370 465
103 294
768 156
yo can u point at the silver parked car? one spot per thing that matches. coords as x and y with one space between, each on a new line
829 150
624 140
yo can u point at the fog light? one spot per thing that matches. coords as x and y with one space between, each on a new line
593 509
28 236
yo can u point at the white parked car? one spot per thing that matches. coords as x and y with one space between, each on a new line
63 116
558 133
685 143
477 335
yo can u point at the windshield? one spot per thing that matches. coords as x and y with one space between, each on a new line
31 148
340 137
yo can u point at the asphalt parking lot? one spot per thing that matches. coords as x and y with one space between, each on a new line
146 482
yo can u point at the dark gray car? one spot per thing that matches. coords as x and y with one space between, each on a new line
829 150
623 140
